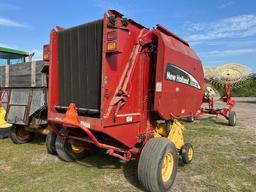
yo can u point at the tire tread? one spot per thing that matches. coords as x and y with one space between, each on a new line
150 155
50 143
60 148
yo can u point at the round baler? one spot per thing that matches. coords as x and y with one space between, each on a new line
119 86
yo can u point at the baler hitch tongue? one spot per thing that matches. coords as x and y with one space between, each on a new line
71 120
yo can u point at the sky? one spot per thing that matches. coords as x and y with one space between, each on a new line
220 31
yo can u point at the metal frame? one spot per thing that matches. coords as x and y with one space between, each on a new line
212 110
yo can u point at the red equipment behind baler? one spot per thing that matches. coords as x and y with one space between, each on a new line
110 83
226 112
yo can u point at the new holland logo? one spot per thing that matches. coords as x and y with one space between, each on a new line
174 73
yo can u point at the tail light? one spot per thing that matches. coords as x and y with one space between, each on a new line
112 35
112 46
112 42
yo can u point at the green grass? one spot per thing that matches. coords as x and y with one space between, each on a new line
224 156
225 160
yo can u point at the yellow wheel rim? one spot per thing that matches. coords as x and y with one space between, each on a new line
167 167
77 149
190 154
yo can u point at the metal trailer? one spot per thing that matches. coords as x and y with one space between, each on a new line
120 86
7 57
23 96
26 111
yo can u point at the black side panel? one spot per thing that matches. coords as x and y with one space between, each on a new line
80 54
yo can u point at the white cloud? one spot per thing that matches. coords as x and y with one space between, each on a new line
215 62
237 43
228 53
8 7
11 23
233 27
226 4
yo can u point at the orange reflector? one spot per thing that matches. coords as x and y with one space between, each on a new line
46 53
46 57
111 46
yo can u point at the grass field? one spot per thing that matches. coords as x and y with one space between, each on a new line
225 160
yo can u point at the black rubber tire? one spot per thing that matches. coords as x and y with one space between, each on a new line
15 138
150 164
61 145
190 119
50 143
4 133
184 153
232 118
64 151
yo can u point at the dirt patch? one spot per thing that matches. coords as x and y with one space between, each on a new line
245 109
4 167
114 179
250 162
246 113
44 158
220 140
4 190
182 180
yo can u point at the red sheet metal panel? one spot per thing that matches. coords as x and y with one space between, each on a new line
121 124
179 77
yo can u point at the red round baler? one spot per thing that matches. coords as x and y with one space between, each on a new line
120 86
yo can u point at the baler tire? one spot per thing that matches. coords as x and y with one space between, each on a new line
64 149
187 153
60 145
232 118
150 168
19 135
50 143
77 156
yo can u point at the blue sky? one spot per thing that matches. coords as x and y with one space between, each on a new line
221 31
